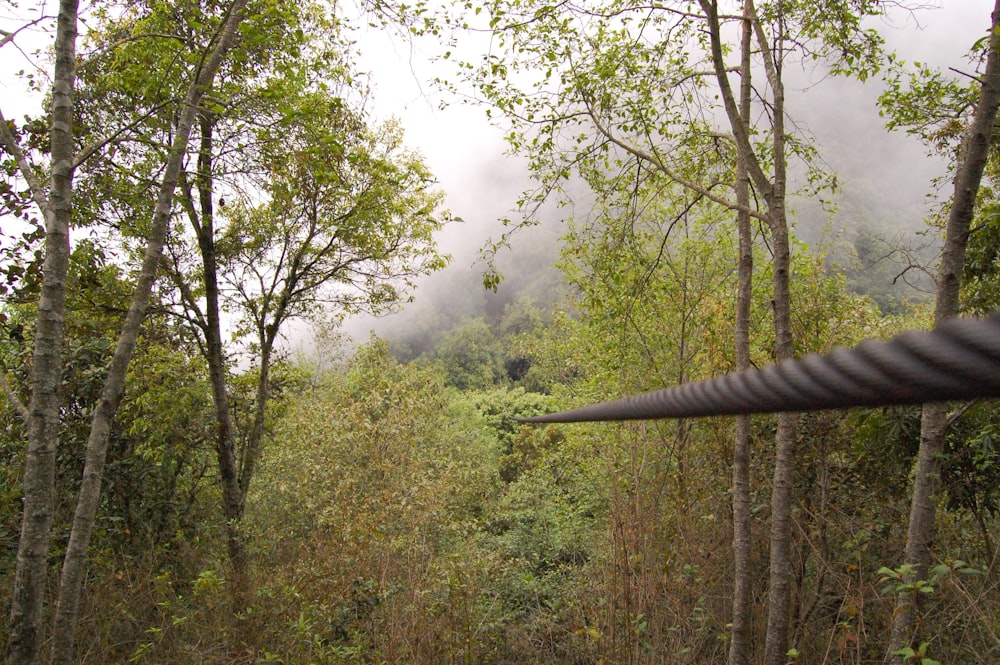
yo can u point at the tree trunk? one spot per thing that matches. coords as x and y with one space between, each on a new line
783 479
225 430
71 581
776 645
772 188
267 335
27 603
739 647
236 463
933 423
251 451
779 593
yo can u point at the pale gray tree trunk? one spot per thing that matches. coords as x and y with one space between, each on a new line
71 582
933 424
772 188
27 602
783 479
739 647
780 589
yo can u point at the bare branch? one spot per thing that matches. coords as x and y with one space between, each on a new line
7 37
967 75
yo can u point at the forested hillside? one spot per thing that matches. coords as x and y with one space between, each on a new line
183 482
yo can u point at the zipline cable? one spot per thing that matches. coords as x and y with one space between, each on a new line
960 359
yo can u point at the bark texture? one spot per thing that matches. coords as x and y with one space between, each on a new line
934 418
780 587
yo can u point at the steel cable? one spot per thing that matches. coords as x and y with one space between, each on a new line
959 359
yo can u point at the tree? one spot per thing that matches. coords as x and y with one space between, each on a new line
42 413
154 485
739 647
343 224
55 202
935 418
471 356
773 190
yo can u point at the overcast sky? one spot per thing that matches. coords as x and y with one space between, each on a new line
467 154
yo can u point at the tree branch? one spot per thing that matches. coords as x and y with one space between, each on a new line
39 193
85 153
12 397
666 170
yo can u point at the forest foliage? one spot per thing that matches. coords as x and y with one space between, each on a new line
379 502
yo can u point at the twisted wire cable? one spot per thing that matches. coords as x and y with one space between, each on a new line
960 359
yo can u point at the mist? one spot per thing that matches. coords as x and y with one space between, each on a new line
488 194
889 184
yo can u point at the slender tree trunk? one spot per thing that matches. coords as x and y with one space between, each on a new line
236 463
28 599
267 334
772 188
739 647
783 479
785 439
933 423
71 581
225 430
780 589
251 452
236 466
